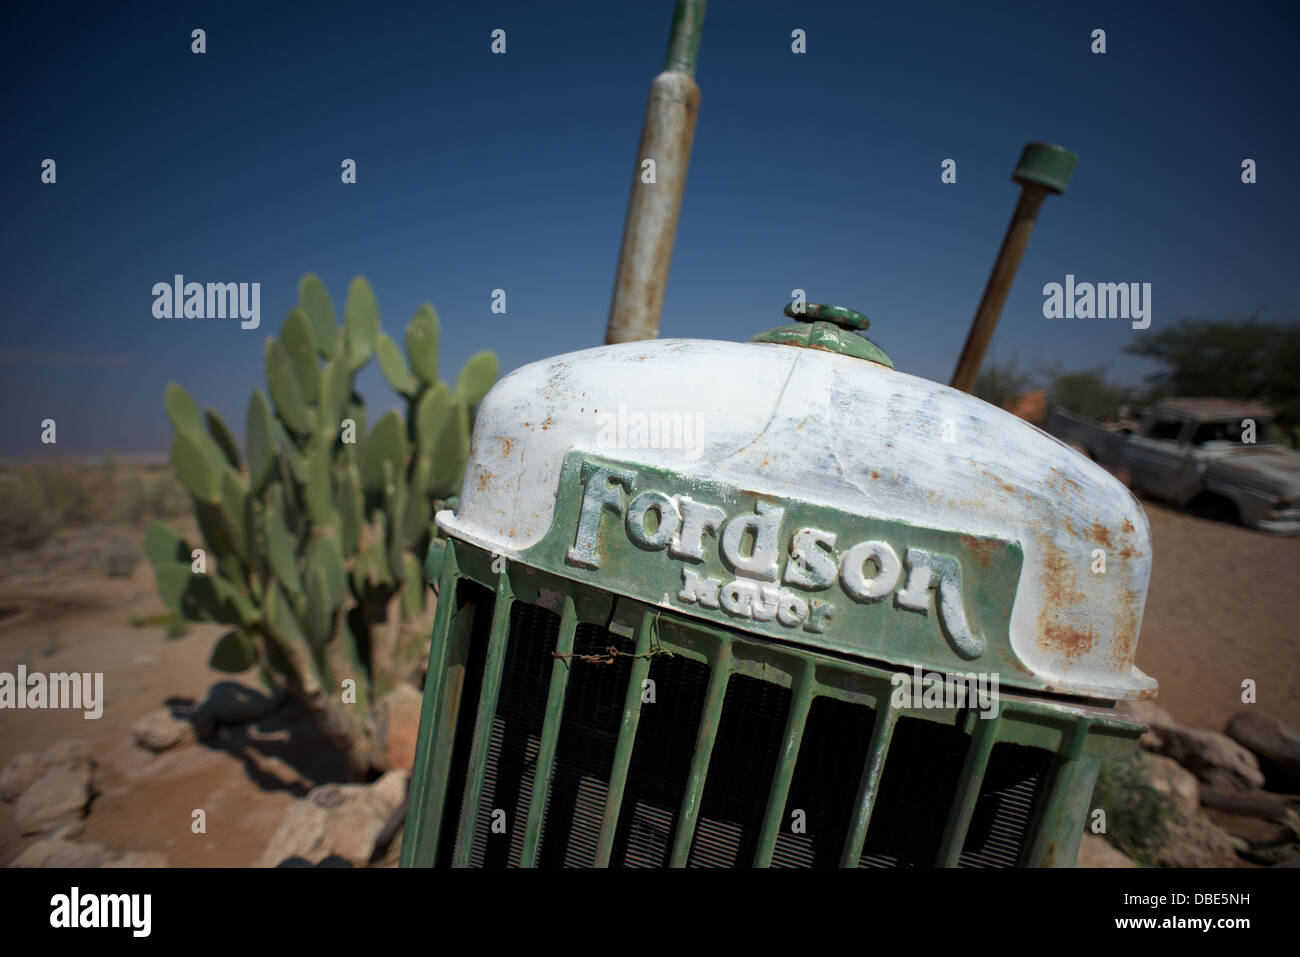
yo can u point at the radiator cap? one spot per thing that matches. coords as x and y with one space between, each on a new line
830 329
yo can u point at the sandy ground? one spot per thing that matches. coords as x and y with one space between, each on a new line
1224 605
243 779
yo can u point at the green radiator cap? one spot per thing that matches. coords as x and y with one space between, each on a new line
829 329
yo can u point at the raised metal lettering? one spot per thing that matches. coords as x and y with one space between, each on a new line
811 566
889 568
697 589
761 563
668 520
924 568
597 496
697 518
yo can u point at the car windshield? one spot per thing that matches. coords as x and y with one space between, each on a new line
1230 430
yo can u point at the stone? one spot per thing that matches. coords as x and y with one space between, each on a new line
55 852
397 726
68 830
1193 839
139 859
60 794
18 775
26 769
1198 842
1096 851
1276 745
1214 758
1180 785
163 729
338 821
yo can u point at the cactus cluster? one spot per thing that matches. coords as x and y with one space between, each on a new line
313 538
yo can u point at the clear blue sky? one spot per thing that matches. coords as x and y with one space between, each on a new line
477 171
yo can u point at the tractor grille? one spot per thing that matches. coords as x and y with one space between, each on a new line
600 750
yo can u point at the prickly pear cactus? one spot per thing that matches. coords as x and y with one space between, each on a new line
313 538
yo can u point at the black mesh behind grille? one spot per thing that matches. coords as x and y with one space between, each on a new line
825 784
516 735
469 635
661 763
584 754
744 759
1005 808
917 788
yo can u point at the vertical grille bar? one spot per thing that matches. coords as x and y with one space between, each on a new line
626 737
427 798
704 740
794 729
487 707
550 730
1070 776
881 736
983 737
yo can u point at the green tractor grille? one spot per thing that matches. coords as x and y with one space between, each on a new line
569 739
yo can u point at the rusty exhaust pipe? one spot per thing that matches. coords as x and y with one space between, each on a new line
1043 168
658 185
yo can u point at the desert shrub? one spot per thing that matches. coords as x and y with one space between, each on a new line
1139 816
121 556
24 520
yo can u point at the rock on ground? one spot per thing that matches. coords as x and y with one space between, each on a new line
397 725
52 788
1193 839
26 769
338 820
57 851
226 703
1096 851
1214 758
162 729
1276 745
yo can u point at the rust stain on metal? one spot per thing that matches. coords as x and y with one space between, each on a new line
1071 642
981 549
1005 486
875 474
1124 640
1063 482
485 480
1101 535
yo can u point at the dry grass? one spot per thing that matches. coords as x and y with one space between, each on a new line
53 510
